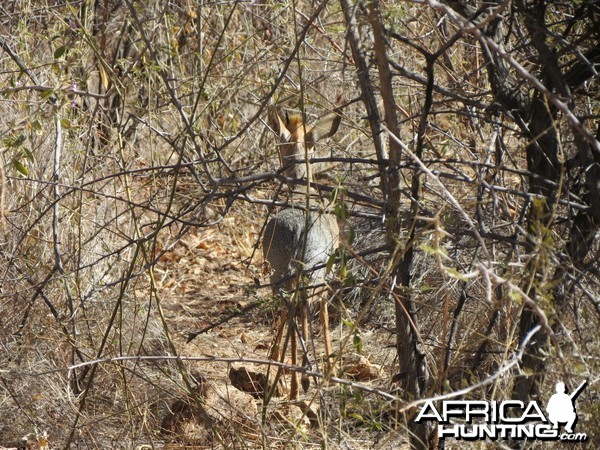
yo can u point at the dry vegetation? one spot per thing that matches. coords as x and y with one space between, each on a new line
138 172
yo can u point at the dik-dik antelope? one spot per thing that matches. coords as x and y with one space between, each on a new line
298 242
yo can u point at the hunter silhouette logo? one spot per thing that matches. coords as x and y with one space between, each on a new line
561 407
508 419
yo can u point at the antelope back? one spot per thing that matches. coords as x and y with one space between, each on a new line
297 140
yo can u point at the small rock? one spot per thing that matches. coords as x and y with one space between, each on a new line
361 369
253 382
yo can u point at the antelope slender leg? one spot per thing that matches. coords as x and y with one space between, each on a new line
276 353
294 350
324 317
305 381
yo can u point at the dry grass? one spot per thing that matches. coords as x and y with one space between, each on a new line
131 245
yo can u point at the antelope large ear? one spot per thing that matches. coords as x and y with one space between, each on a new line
278 124
324 128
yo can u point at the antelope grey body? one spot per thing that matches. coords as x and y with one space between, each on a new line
295 241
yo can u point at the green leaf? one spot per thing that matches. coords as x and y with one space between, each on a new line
357 416
59 52
341 211
347 323
14 142
330 262
358 343
28 154
20 167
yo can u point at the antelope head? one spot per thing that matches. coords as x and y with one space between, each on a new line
297 140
